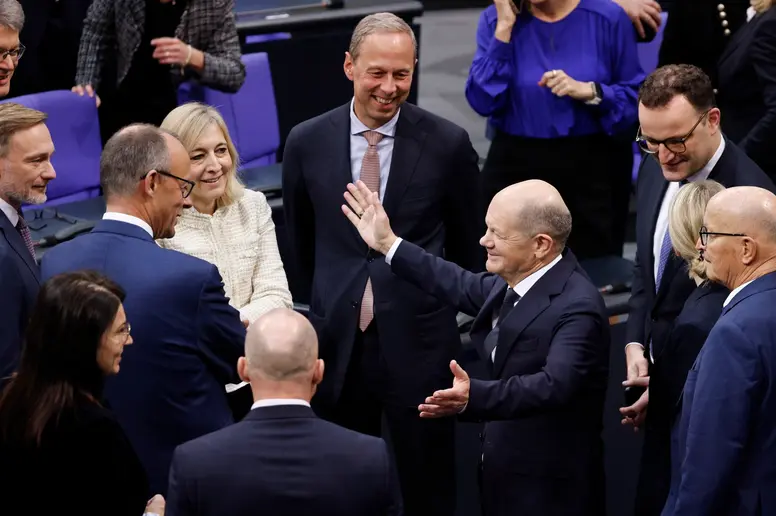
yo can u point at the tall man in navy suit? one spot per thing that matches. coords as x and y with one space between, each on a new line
187 338
542 329
25 170
282 459
725 460
385 342
682 139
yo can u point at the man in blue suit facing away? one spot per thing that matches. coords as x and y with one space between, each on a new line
187 338
541 328
282 459
724 447
25 170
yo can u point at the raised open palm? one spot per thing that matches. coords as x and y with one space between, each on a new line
366 213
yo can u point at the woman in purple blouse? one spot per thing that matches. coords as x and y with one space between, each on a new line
558 80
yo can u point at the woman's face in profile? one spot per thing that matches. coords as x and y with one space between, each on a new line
112 344
210 164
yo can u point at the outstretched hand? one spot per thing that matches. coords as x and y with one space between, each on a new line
367 215
448 402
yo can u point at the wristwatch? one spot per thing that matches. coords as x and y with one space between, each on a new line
598 94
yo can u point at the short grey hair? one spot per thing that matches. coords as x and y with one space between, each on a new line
379 22
129 155
11 15
549 219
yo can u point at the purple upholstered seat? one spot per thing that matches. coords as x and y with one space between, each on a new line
75 130
250 114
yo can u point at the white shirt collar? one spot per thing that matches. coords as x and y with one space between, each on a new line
358 127
129 219
272 402
529 281
704 173
10 212
734 292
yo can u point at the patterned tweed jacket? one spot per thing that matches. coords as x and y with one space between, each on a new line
113 29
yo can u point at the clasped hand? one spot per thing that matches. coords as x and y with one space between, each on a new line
561 85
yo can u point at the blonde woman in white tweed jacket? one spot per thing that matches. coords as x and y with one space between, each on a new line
227 225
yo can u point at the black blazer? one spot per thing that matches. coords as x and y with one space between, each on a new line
667 377
85 465
283 461
432 200
695 32
543 404
20 280
651 315
747 90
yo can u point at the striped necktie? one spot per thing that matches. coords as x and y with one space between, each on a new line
370 175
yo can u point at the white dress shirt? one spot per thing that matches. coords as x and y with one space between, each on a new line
734 292
10 212
129 219
359 145
274 402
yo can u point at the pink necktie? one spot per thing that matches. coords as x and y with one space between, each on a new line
370 175
24 231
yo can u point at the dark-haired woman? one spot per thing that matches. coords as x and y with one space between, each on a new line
60 449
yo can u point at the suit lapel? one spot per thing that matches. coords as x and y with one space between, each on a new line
407 147
530 306
16 243
740 38
655 193
484 321
341 170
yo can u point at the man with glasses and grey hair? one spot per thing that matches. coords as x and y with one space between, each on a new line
682 140
11 49
171 386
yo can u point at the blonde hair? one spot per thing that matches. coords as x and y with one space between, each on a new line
378 22
761 6
685 219
14 118
188 122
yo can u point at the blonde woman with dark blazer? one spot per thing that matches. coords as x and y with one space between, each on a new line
228 225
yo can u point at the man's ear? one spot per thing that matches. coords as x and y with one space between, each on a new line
318 373
347 66
242 369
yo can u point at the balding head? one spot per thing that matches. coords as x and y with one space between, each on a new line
744 247
281 348
528 225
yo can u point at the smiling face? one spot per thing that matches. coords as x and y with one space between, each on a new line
26 168
112 343
382 76
211 166
9 40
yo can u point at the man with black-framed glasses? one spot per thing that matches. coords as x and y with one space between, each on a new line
681 136
11 49
188 338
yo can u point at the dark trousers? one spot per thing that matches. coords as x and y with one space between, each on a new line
592 174
423 450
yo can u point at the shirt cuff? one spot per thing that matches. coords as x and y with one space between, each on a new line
499 50
639 344
392 250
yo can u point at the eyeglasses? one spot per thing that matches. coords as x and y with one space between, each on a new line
704 234
186 187
675 145
15 53
125 332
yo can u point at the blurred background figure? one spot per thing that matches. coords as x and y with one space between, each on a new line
227 224
281 456
747 87
135 53
558 81
11 50
661 404
59 445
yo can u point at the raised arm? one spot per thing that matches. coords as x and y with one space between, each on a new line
270 286
97 36
223 69
487 88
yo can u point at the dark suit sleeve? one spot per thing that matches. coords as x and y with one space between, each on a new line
179 497
393 498
726 393
462 209
464 290
12 300
221 333
758 143
298 212
573 357
637 302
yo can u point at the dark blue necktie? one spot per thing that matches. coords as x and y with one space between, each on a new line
510 298
665 251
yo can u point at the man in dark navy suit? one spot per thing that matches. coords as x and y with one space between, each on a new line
542 329
187 338
25 170
282 459
683 142
385 342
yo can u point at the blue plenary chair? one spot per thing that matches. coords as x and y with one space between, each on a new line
250 114
75 130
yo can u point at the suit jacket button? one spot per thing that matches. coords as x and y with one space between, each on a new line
354 304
